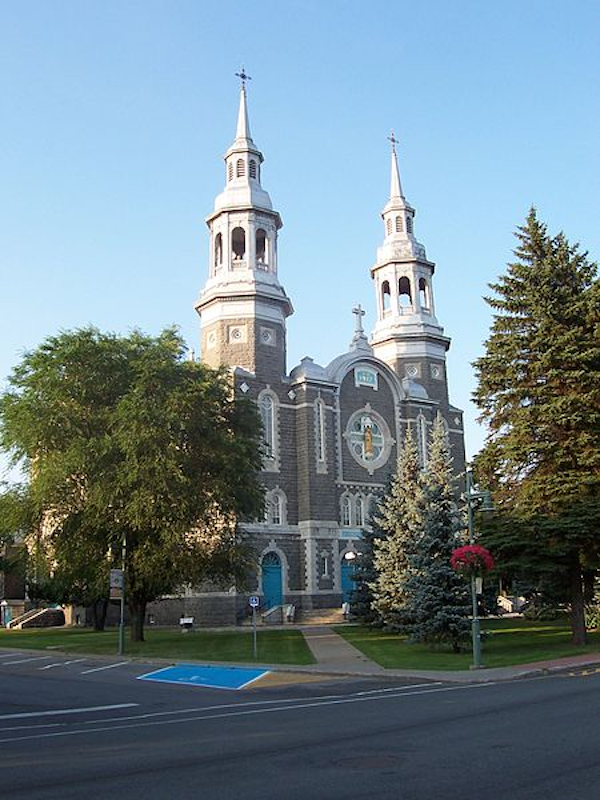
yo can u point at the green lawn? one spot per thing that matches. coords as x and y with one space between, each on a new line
274 647
508 642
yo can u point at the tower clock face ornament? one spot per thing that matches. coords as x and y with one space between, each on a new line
368 439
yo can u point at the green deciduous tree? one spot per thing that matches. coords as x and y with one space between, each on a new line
123 437
539 393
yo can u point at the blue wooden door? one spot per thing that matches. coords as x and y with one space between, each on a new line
271 580
348 584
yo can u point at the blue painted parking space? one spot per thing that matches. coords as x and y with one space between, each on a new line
206 675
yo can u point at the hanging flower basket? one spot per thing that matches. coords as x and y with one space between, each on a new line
472 560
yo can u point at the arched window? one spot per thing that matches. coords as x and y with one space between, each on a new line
388 226
240 168
252 169
404 293
261 246
218 250
360 512
386 297
267 415
423 294
345 509
398 224
230 171
238 243
409 224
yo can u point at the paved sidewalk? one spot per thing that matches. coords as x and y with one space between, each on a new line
336 656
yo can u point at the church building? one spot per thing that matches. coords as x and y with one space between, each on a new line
332 433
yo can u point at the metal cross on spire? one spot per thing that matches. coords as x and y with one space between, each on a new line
394 142
243 77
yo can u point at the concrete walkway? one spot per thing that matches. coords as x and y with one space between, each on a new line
336 656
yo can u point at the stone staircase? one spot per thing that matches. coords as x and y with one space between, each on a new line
321 616
38 618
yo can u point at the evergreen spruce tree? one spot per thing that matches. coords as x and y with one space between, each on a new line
361 600
539 393
398 525
436 604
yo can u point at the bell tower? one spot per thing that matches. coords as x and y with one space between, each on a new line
243 307
407 335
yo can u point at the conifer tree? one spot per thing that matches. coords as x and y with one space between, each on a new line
398 522
539 393
436 604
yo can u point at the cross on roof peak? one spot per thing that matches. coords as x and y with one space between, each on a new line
394 141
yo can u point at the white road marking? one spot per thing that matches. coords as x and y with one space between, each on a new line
78 731
50 666
25 660
99 669
74 661
62 711
9 655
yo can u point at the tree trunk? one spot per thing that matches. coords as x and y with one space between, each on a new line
577 607
137 611
99 611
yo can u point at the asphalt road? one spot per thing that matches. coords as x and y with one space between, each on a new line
71 730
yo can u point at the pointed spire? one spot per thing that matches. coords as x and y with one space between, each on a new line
243 125
395 185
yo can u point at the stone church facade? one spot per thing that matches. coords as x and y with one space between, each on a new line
332 433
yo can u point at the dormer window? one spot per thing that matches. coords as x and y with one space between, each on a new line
240 168
252 168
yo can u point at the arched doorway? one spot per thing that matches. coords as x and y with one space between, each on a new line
271 580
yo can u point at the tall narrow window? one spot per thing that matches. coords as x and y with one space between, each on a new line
386 297
422 443
218 250
261 246
404 293
230 171
320 430
388 226
398 224
252 168
276 509
240 168
360 512
238 243
267 413
423 294
346 511
409 224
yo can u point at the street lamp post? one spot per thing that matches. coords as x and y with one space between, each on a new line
122 611
475 499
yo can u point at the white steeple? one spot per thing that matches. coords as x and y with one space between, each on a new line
406 320
243 284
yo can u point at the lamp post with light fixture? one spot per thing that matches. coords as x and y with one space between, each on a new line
482 501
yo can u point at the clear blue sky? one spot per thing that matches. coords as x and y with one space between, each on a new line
114 116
